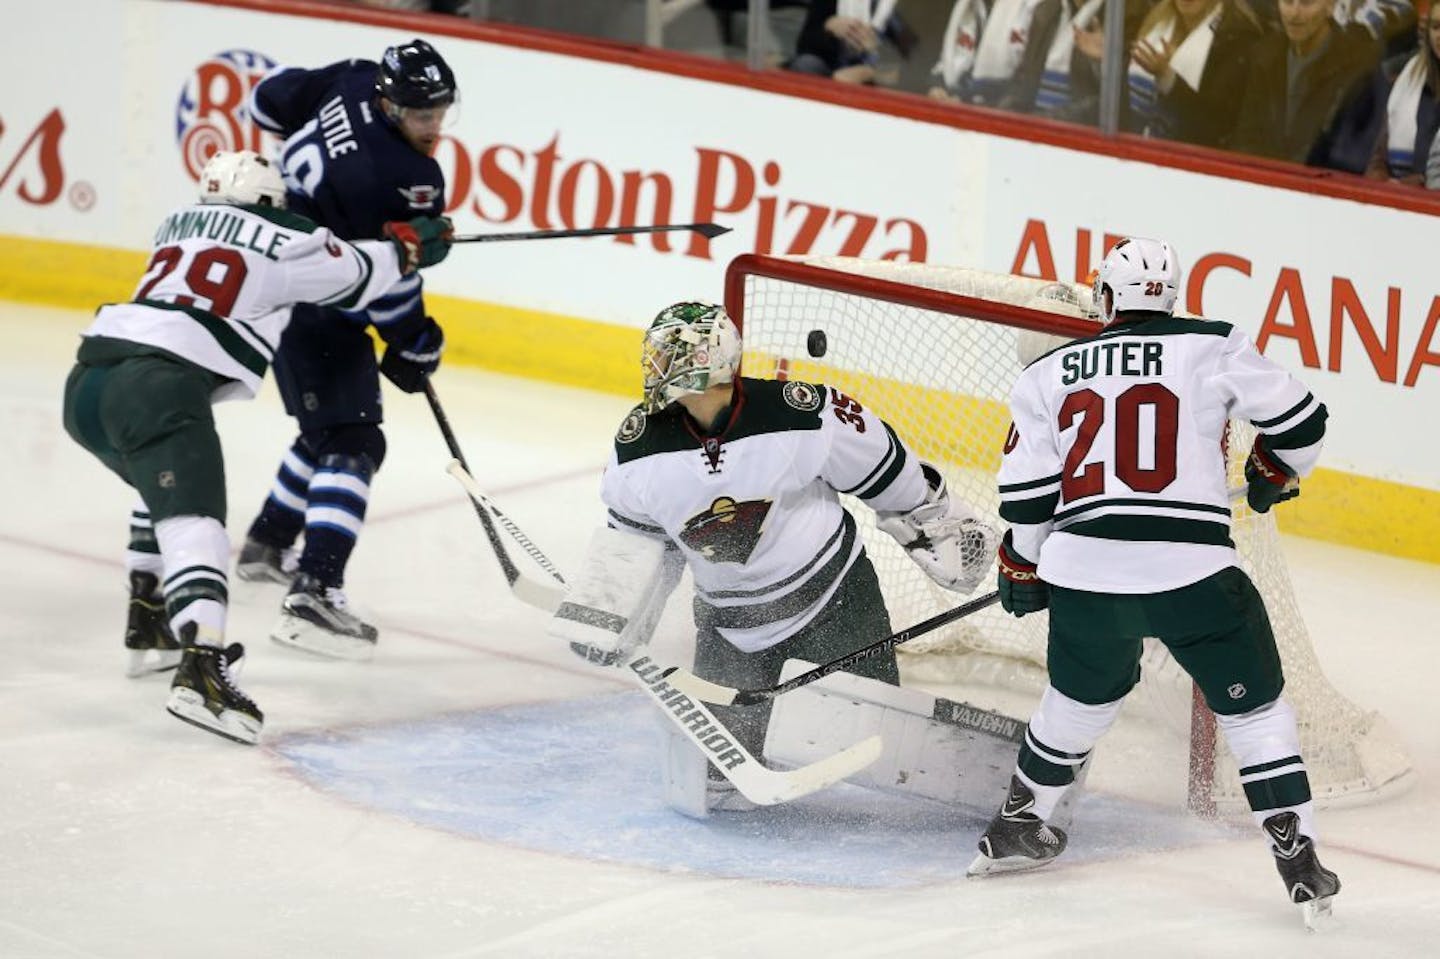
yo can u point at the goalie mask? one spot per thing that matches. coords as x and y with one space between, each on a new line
240 178
1139 274
689 348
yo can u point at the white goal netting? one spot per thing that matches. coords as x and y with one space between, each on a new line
934 351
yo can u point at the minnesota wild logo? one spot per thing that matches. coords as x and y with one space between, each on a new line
728 531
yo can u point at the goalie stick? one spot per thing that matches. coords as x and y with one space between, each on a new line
527 590
708 230
709 692
756 782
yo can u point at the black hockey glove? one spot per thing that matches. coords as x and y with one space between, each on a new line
423 241
1021 589
1269 480
407 364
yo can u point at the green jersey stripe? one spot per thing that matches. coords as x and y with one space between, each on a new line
1307 432
896 458
1030 484
1147 504
222 332
1148 528
350 298
1277 420
1036 509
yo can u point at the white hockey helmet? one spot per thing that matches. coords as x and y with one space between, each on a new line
688 348
241 177
1139 274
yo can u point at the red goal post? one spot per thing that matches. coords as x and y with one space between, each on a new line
934 350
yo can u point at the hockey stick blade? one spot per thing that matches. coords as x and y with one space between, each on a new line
706 691
708 230
757 783
542 596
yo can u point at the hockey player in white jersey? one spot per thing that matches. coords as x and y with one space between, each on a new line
201 328
740 478
1114 485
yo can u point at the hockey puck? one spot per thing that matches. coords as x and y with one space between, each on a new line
815 343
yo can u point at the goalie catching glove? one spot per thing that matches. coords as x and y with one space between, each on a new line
944 536
1269 480
407 363
1020 586
423 241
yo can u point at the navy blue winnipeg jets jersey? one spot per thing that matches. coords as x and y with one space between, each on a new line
346 166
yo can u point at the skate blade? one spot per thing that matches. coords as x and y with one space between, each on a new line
983 865
189 706
1317 913
307 637
146 662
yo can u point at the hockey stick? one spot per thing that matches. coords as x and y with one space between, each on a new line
708 230
542 596
757 783
528 591
709 692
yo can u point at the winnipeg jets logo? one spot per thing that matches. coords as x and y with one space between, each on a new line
728 531
422 196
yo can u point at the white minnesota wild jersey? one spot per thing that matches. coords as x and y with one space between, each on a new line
1113 475
754 506
222 280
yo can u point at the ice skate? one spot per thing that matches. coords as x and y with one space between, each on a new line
317 619
1017 838
1310 885
262 563
204 694
153 647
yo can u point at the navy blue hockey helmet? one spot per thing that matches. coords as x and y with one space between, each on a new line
414 75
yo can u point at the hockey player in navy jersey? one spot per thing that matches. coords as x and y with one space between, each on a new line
358 138
1115 489
201 328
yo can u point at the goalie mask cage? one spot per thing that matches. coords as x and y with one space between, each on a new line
934 351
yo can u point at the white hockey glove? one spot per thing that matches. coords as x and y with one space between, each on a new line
613 606
944 536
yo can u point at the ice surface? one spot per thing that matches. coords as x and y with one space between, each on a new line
477 791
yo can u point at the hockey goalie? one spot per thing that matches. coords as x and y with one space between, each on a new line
739 479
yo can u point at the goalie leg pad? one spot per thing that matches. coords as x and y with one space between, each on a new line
616 600
934 748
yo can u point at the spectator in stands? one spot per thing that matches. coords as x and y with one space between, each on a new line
997 57
843 40
1412 112
1307 92
1071 88
1188 69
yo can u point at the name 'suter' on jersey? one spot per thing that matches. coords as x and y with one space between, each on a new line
1113 474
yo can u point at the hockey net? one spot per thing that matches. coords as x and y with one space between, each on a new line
934 351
